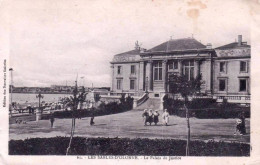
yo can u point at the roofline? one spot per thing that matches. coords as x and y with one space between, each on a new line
231 57
120 62
177 51
219 47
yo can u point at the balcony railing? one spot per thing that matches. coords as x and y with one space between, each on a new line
242 99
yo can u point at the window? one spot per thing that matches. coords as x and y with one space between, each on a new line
132 69
222 85
119 84
175 65
188 69
132 84
158 71
222 67
119 69
156 95
170 66
242 85
243 66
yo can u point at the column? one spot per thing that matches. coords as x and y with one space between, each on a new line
141 76
180 67
150 78
112 77
196 68
164 74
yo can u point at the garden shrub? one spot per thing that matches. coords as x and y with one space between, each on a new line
125 146
103 109
205 108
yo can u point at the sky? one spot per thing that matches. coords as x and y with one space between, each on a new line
50 42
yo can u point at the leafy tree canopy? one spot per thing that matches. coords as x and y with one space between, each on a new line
181 85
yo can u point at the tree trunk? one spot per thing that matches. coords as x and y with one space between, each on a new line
188 129
71 136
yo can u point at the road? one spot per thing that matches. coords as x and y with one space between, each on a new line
129 124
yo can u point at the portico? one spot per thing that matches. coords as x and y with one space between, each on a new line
159 68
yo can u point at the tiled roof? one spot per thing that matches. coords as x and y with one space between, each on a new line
234 45
131 52
130 56
178 44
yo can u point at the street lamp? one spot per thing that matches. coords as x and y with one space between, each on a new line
83 81
39 96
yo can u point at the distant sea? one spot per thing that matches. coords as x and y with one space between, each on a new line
22 98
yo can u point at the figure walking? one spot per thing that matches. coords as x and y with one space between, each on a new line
240 125
165 117
145 116
156 117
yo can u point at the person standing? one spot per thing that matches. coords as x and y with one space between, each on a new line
52 120
150 116
243 129
165 117
156 117
92 119
145 116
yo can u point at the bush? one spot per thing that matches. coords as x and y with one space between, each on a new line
103 109
125 146
205 108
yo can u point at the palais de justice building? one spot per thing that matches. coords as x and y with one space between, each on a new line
225 70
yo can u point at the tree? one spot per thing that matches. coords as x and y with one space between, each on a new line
122 98
184 87
73 102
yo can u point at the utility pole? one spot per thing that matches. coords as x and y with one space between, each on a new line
83 81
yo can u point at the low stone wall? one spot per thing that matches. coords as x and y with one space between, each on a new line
107 99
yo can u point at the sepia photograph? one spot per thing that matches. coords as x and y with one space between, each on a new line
124 79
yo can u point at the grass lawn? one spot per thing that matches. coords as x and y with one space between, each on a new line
130 125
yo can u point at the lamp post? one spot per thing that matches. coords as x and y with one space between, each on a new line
83 81
39 96
39 111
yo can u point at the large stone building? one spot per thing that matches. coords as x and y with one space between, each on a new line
225 70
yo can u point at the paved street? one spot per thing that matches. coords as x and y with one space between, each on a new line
129 124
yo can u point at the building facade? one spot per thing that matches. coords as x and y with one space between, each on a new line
225 70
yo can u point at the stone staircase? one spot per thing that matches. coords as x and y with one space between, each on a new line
151 103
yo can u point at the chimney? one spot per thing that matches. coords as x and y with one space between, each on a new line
209 46
239 40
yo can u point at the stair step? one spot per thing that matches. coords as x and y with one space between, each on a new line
151 103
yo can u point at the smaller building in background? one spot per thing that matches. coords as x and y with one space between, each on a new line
232 69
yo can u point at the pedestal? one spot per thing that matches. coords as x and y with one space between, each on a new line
135 103
38 114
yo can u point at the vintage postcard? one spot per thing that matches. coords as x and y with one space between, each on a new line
107 81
